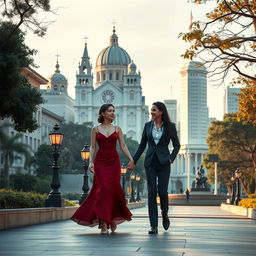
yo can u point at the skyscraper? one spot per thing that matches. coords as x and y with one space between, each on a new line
231 100
193 125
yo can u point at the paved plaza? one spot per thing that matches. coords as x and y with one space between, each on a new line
194 230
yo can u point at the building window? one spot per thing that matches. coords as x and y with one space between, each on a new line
104 76
110 76
117 75
83 95
128 81
131 95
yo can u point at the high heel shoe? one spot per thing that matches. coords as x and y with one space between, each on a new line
104 228
104 232
113 227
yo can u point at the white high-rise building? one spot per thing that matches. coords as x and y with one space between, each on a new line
117 82
193 126
231 100
171 106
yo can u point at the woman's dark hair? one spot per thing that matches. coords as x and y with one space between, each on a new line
102 109
165 116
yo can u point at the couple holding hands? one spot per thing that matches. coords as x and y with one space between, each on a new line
105 205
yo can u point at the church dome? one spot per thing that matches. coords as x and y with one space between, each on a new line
57 76
113 54
132 68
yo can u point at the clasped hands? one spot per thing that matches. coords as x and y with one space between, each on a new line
130 165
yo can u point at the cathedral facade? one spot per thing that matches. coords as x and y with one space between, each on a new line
117 82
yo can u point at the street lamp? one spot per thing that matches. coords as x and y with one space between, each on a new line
123 172
238 175
54 198
132 176
233 189
85 154
138 188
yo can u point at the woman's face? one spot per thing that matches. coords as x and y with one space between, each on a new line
156 113
109 114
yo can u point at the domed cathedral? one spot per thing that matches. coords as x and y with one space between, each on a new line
117 82
56 96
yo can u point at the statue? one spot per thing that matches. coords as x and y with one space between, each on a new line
200 179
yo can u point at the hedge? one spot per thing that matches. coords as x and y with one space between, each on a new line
10 199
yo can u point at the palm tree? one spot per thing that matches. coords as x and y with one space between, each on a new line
9 146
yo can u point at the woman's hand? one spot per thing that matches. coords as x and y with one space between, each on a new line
131 165
91 167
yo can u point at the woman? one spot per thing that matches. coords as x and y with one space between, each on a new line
105 205
157 134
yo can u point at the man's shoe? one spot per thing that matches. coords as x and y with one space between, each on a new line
166 221
153 231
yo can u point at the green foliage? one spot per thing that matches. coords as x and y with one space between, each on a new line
235 143
72 196
30 183
10 199
75 136
43 160
10 146
19 100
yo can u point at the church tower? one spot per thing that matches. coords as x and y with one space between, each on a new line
84 88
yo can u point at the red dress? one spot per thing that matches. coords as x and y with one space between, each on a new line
106 200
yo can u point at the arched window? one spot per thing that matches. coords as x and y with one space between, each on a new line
104 76
131 81
117 75
86 81
110 76
128 81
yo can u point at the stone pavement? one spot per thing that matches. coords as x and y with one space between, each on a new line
194 231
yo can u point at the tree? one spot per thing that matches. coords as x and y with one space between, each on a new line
227 38
9 147
235 143
43 160
247 105
24 12
19 100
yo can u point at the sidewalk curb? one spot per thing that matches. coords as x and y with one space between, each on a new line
239 210
13 218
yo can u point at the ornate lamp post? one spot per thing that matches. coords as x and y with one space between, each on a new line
123 172
54 198
238 175
138 188
233 189
85 154
132 176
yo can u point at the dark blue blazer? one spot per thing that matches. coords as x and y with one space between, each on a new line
161 148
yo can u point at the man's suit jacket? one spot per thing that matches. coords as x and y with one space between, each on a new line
161 148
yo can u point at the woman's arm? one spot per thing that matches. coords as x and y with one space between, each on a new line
175 143
124 148
92 149
142 145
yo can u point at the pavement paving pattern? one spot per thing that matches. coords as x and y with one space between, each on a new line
194 231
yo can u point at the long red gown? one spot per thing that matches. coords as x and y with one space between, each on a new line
106 200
